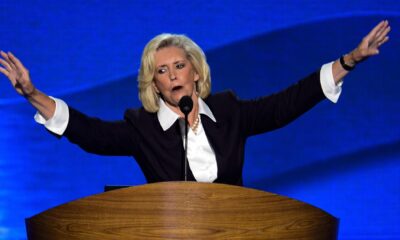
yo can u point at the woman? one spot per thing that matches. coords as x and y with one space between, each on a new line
173 66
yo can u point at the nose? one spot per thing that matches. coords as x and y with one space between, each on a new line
172 75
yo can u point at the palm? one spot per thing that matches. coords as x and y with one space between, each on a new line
370 44
16 73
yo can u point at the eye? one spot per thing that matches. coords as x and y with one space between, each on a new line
180 65
161 70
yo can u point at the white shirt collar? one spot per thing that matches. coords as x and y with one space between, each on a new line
167 117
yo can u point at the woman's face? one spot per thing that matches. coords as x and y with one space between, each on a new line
174 75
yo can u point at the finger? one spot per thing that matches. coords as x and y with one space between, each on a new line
382 29
5 56
5 64
381 37
17 62
373 32
7 74
381 34
4 71
383 41
371 52
385 32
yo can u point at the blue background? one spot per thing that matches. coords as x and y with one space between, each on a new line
343 158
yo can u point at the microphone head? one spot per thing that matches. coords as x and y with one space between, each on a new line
186 105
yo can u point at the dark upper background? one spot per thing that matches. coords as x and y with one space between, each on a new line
343 158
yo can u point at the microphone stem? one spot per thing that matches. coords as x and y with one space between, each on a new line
186 106
186 145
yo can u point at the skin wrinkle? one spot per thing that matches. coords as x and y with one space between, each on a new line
174 78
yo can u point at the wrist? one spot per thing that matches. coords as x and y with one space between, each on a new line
347 62
350 60
31 94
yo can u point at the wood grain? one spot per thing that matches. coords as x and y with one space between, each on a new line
183 210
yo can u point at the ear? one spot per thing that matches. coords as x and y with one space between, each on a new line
196 76
155 87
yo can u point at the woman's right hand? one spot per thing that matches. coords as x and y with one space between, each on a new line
18 75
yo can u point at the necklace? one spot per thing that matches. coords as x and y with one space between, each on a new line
195 124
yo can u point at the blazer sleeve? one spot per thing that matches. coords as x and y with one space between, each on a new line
277 110
117 138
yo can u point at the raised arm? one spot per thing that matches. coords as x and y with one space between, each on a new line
91 134
369 46
277 110
19 77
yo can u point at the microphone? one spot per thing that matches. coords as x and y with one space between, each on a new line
186 106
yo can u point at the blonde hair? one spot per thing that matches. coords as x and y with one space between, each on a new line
196 56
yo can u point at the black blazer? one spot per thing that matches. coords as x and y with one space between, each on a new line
160 153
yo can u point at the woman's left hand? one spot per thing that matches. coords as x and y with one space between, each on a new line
370 44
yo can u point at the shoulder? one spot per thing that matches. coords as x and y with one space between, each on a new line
218 98
139 116
223 104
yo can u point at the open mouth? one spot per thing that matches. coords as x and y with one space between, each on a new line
176 88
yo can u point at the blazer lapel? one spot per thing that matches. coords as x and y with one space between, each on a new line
215 134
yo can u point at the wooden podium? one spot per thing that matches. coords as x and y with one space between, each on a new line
183 210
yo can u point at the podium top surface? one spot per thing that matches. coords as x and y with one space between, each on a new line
183 210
